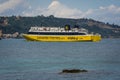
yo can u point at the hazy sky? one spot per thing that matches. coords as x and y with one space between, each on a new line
101 10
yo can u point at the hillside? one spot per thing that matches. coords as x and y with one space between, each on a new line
22 24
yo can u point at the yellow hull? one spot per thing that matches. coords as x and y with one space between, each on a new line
64 38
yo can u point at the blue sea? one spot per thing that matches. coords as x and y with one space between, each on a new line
23 60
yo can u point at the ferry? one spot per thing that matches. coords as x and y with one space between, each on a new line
58 34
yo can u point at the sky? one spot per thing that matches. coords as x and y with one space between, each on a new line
100 10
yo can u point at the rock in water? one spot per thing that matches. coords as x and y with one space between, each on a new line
73 71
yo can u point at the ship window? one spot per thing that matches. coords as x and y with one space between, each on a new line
81 33
56 33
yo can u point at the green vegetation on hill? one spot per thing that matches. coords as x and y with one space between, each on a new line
22 24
